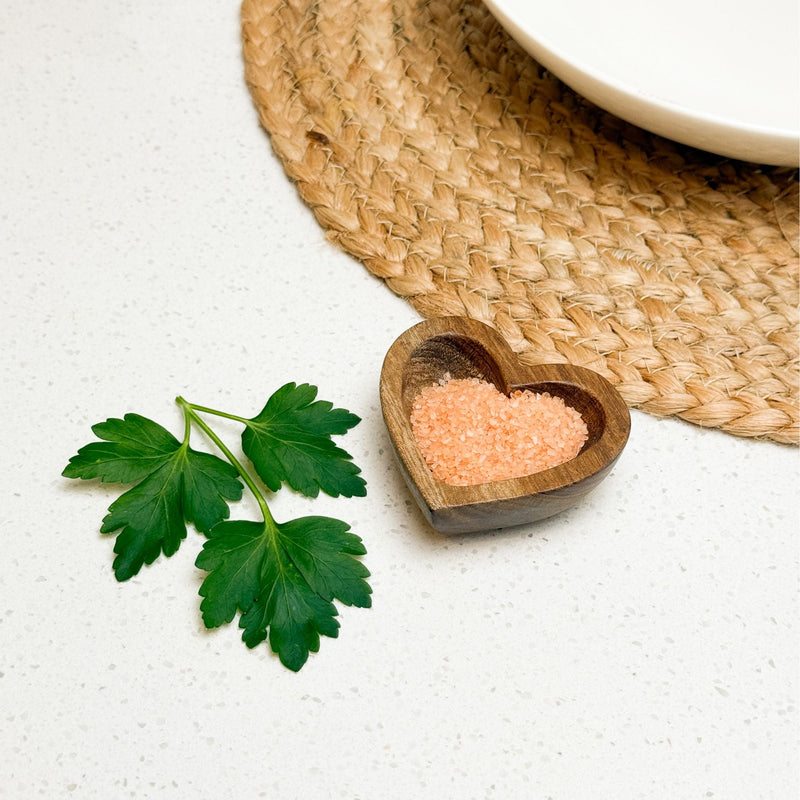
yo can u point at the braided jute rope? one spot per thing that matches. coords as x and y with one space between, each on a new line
432 148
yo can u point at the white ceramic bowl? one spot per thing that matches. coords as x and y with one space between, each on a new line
720 76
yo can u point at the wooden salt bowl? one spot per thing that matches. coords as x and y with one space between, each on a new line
458 347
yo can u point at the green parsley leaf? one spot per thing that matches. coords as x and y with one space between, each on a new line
282 577
174 485
289 442
133 447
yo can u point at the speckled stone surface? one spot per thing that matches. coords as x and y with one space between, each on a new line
642 645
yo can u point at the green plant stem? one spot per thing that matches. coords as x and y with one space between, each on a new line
214 411
187 420
189 410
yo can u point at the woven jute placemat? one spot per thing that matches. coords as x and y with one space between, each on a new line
472 181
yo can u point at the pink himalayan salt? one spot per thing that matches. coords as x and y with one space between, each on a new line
470 433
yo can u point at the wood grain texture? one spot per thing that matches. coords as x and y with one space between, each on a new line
458 347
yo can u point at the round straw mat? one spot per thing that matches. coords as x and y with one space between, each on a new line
472 181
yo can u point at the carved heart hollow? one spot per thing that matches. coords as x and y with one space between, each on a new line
459 348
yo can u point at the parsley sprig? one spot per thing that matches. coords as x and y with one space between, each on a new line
281 577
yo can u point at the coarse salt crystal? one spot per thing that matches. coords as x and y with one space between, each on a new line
471 433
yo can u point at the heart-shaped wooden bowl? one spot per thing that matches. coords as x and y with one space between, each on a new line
459 347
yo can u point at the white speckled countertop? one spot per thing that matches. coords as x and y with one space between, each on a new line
643 645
